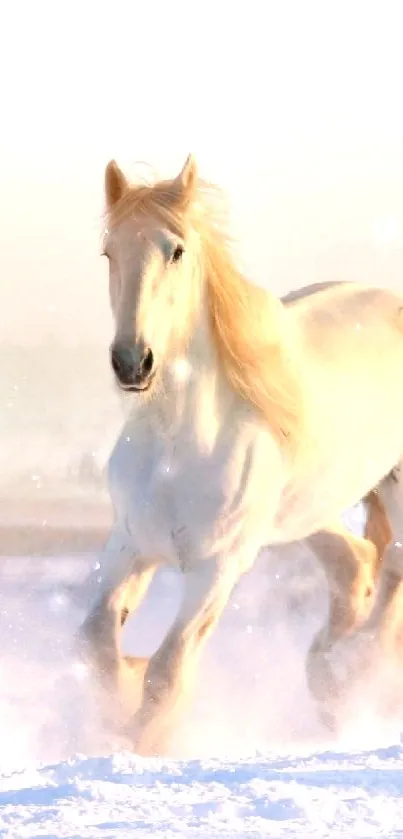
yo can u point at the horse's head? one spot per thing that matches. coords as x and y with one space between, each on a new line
152 250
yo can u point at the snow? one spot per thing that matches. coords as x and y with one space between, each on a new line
250 757
122 796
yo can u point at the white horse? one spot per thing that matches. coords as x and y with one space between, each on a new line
254 422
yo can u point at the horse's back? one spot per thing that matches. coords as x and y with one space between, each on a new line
349 350
350 336
338 299
347 317
298 294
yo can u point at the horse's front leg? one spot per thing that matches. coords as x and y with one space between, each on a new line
117 585
170 672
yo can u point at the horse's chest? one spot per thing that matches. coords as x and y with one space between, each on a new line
169 495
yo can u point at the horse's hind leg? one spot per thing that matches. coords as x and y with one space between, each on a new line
377 527
349 563
352 567
378 636
384 616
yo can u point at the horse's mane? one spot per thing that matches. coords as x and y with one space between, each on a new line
248 324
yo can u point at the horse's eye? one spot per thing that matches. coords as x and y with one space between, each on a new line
178 253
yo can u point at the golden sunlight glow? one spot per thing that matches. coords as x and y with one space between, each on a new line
293 107
386 231
181 369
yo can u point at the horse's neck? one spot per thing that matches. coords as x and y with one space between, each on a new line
194 396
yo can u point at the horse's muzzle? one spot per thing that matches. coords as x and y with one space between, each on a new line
133 373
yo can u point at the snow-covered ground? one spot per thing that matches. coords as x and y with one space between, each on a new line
250 758
319 795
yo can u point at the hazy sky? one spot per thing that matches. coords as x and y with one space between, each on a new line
296 108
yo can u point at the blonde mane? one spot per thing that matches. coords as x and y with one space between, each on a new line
248 324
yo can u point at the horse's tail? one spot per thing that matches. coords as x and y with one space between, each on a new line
377 528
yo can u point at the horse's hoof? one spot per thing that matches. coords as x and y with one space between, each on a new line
139 744
328 720
353 658
321 680
146 738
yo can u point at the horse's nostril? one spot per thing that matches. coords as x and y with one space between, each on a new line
147 363
115 362
118 363
122 364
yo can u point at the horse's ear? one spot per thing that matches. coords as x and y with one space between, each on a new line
185 182
115 183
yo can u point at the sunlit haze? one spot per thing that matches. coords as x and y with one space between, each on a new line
294 108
